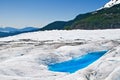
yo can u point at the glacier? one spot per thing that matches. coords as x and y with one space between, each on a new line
27 56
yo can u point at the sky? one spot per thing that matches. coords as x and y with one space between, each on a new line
38 13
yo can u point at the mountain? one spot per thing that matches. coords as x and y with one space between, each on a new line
27 29
9 31
107 17
55 25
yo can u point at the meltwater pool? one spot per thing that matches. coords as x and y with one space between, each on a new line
75 64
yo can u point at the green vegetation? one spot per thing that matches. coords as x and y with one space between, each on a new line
102 19
108 18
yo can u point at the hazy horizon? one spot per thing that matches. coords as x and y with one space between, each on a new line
38 13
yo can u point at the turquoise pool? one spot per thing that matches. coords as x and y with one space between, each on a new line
75 64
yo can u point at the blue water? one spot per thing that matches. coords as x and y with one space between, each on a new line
75 64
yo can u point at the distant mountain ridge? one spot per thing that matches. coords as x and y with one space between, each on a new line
105 18
10 31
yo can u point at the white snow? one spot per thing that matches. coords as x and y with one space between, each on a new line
26 56
64 35
111 3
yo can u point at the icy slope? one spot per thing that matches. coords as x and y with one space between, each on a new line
107 68
111 3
